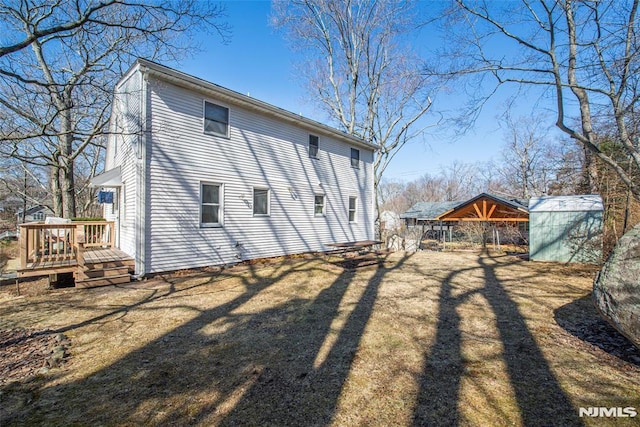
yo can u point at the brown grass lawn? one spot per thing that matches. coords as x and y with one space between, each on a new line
423 339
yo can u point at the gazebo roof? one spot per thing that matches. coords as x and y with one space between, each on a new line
487 207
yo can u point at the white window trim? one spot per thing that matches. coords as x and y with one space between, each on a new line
220 222
355 210
253 201
317 156
219 104
357 165
324 205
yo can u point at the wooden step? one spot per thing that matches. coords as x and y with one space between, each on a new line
104 272
109 264
103 281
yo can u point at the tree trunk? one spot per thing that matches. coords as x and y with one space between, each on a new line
66 162
68 189
56 193
590 173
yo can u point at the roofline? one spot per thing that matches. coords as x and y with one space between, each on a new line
490 196
191 82
538 199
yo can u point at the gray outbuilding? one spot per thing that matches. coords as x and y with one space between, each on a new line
566 228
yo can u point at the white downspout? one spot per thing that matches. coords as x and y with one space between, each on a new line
141 195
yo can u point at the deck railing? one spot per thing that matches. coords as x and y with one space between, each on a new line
42 243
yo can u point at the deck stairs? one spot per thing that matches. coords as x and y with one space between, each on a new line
103 273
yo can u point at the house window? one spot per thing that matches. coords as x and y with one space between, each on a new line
38 216
260 201
313 146
318 209
210 205
352 209
216 119
355 158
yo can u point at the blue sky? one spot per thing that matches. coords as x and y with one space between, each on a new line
258 62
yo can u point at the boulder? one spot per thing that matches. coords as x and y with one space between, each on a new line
616 289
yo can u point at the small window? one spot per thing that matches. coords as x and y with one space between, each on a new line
38 216
260 201
318 209
211 204
352 209
313 146
355 158
216 119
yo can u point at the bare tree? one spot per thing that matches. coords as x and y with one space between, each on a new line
59 64
24 186
585 53
461 181
526 165
358 66
391 196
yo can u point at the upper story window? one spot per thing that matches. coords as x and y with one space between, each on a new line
210 205
313 146
318 209
355 158
38 216
261 201
216 119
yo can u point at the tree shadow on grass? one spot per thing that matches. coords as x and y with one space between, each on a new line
581 319
530 376
228 365
305 391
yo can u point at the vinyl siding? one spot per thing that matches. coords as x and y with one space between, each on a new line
261 152
123 150
566 236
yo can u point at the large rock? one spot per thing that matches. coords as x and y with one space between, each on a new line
616 289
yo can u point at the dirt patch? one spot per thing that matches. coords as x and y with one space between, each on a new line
25 353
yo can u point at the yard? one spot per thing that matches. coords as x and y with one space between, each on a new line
429 338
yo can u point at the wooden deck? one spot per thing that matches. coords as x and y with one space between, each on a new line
103 255
92 256
85 249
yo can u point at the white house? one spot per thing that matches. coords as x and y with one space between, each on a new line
203 175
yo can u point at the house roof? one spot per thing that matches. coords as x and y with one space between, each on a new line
33 209
185 80
427 211
578 203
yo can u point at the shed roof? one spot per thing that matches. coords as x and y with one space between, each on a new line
578 203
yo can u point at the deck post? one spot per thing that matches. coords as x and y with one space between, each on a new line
80 253
79 236
112 234
24 247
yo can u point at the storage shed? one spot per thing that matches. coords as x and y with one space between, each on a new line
566 228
